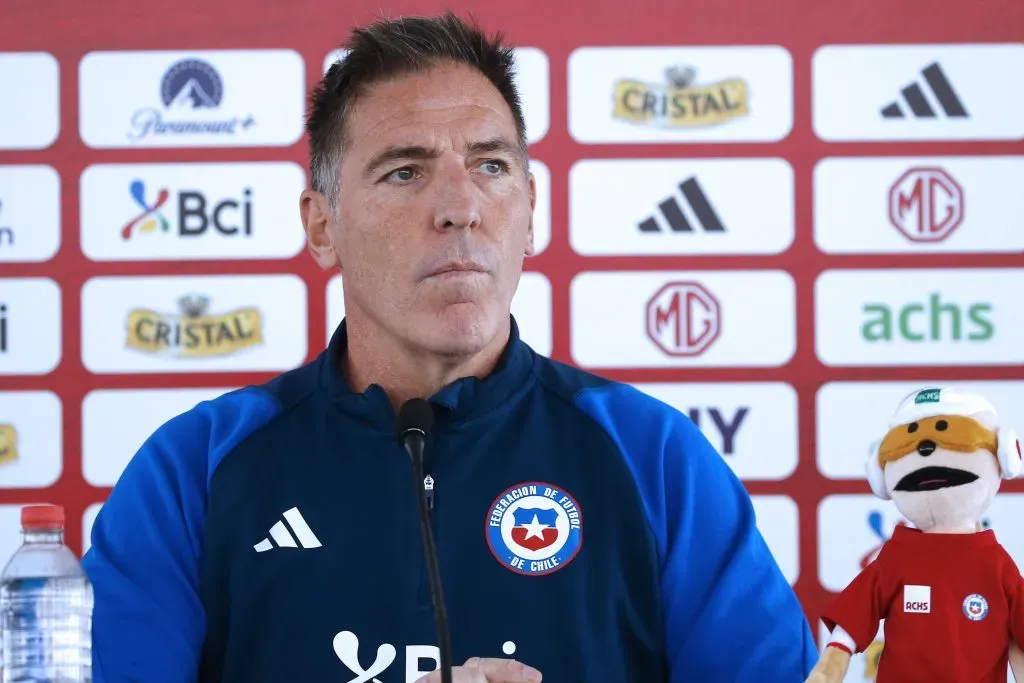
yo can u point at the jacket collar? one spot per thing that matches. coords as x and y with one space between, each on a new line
461 401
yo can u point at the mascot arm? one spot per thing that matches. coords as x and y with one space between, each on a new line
853 619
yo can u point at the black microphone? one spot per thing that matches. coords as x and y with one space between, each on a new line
414 421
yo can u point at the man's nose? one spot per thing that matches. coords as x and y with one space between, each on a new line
458 203
926 447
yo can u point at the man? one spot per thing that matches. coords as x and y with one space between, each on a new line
272 534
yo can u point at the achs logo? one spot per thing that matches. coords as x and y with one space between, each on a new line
683 319
917 599
534 528
6 232
192 333
672 212
916 97
678 103
934 321
190 90
926 204
195 213
8 443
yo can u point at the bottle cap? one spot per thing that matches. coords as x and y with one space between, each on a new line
38 517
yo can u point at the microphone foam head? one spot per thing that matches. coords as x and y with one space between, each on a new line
415 414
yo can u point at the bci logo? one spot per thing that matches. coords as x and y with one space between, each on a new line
346 647
683 319
193 213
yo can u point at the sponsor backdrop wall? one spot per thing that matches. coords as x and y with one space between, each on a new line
778 220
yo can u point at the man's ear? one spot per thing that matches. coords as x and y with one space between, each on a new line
533 205
317 219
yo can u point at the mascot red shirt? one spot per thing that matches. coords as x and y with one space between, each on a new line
951 596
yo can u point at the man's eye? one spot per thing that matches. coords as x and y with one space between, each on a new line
405 173
494 166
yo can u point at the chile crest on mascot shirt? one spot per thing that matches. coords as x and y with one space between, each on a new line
534 528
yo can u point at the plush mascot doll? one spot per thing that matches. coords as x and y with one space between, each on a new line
951 596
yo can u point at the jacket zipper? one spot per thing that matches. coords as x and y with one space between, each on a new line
430 495
428 490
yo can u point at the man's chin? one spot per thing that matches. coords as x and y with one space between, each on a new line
461 329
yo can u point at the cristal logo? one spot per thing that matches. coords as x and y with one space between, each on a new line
346 647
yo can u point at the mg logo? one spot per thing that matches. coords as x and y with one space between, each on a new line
926 204
683 319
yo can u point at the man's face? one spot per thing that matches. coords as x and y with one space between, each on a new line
434 211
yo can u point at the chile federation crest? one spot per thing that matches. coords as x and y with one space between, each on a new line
534 528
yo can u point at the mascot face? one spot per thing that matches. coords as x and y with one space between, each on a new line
941 472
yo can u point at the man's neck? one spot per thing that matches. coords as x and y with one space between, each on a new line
375 358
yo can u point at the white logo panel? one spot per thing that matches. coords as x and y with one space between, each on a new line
918 92
194 324
542 206
156 212
669 206
531 306
29 213
116 422
534 83
919 205
88 520
917 599
919 317
680 94
852 529
532 79
739 419
203 98
853 416
683 319
777 520
30 82
30 326
31 439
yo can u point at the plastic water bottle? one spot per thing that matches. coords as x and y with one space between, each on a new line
45 606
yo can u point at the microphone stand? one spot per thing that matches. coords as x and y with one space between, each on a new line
414 442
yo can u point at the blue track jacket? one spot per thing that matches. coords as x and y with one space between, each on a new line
583 527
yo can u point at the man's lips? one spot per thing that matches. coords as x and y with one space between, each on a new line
457 269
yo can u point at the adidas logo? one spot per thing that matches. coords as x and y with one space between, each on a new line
915 97
284 539
672 211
